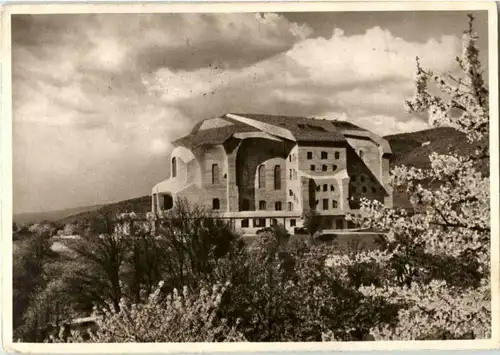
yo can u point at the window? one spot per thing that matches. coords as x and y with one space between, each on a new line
245 223
374 190
325 187
361 154
318 188
372 178
174 167
334 167
259 222
309 155
325 203
337 155
290 157
362 178
335 204
290 206
313 167
168 202
324 155
274 222
277 177
262 205
290 192
332 188
291 174
364 189
292 223
277 206
324 168
215 204
215 174
245 204
262 176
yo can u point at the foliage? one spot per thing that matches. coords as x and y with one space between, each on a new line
176 317
436 259
312 221
29 271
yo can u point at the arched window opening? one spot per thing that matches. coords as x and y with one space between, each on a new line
215 174
277 177
215 204
174 167
334 167
262 205
324 155
262 176
325 187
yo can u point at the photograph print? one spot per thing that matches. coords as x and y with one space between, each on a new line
305 176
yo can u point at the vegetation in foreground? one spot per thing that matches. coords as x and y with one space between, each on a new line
187 277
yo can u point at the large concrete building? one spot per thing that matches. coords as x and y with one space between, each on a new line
259 170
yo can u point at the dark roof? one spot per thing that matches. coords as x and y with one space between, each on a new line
302 128
212 136
344 125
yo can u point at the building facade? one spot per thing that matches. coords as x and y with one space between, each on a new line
259 170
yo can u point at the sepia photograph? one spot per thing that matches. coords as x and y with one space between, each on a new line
268 175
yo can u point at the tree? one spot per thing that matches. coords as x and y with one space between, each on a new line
29 277
312 221
437 258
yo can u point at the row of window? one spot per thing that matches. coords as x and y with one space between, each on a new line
353 189
325 187
277 206
261 222
335 203
245 205
324 155
361 178
324 167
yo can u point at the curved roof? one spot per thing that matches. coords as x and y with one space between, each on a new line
301 129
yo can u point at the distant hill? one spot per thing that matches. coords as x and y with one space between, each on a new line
139 205
411 149
36 217
414 148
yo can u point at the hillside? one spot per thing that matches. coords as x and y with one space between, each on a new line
414 148
36 217
411 149
139 204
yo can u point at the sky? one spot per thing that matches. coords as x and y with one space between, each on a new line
97 98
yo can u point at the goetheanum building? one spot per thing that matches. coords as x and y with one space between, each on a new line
259 170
